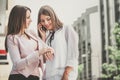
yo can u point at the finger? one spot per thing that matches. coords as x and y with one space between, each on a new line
49 55
39 25
48 49
40 30
46 57
51 50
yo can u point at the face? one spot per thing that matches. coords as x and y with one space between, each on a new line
46 22
28 18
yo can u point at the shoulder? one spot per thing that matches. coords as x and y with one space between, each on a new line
12 39
68 28
32 33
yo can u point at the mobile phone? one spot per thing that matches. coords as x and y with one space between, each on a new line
43 28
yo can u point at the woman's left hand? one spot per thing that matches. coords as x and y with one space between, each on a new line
65 76
49 55
68 69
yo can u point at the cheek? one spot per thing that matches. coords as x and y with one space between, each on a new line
43 24
27 24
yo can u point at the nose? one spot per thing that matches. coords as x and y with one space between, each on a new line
30 20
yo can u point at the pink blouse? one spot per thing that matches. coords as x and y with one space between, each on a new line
24 53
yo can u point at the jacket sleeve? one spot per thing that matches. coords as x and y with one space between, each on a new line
18 62
72 47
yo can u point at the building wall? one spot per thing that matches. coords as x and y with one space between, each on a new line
95 44
100 24
5 68
109 15
88 29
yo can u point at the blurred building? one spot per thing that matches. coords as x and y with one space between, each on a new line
94 28
86 26
109 15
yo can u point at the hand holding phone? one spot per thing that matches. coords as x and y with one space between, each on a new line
43 28
42 32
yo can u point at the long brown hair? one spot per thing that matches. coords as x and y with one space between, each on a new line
16 21
47 10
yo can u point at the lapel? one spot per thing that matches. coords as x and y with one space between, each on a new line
32 35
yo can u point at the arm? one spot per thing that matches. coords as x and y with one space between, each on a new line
72 48
72 43
43 45
18 62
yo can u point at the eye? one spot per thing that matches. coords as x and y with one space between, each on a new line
48 19
42 21
28 17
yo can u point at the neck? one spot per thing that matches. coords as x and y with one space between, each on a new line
22 32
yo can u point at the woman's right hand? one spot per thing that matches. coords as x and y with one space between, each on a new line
41 32
48 53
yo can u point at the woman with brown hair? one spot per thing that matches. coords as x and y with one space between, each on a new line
64 40
24 47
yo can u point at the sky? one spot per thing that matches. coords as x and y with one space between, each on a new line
67 10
